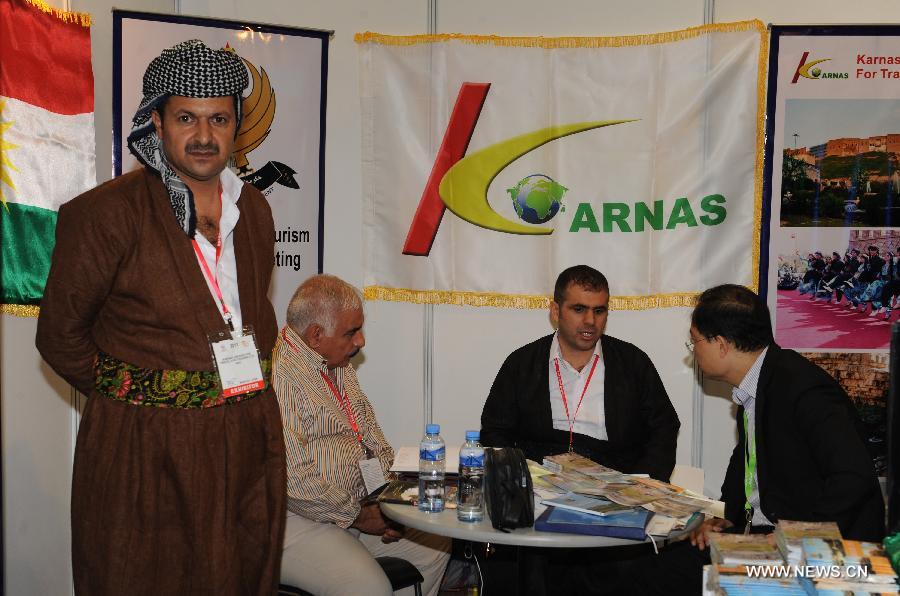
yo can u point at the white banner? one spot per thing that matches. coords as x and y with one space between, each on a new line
283 155
640 156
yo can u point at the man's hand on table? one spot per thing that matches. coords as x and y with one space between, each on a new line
700 536
371 521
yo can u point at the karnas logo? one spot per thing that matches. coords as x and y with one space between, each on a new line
460 182
809 69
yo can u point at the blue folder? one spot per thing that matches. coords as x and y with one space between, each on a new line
628 524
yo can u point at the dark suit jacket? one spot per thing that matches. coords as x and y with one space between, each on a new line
641 423
812 463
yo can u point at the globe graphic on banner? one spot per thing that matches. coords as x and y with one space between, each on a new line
537 198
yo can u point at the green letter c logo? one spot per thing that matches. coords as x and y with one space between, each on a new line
464 187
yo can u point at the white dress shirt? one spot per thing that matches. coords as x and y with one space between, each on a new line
745 395
590 419
226 269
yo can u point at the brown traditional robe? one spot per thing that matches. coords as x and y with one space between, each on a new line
164 500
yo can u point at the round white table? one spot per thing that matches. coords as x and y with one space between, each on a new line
446 524
531 570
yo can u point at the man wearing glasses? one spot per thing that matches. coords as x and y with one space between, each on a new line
800 453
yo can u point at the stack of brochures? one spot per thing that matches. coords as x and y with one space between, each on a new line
750 564
731 580
789 536
849 566
582 496
827 566
743 549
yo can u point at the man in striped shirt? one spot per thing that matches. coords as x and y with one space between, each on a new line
330 433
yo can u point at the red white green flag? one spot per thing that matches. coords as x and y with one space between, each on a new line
46 138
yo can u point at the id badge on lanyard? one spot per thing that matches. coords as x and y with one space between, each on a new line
234 352
369 465
236 358
372 473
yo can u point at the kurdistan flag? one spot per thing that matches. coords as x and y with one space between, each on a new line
46 138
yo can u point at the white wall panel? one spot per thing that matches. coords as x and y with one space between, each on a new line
390 369
567 17
470 345
794 12
37 431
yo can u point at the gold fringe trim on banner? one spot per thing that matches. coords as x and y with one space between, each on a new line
760 154
81 18
21 310
521 301
562 42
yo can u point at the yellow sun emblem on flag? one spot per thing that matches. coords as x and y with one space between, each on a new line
5 164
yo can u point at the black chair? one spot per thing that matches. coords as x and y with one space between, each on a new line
400 572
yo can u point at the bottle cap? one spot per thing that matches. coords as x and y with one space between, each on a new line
473 435
432 429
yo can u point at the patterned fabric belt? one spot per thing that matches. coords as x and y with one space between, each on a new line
165 388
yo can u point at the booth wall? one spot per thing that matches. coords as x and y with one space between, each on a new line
37 420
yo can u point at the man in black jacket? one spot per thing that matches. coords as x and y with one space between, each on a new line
811 461
806 442
870 273
838 283
582 390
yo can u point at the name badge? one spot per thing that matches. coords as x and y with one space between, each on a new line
236 358
372 473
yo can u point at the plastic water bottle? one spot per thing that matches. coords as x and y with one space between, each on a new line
432 453
470 506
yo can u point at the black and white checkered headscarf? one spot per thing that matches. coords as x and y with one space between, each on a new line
189 69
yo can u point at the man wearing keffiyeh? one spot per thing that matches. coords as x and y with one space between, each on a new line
178 486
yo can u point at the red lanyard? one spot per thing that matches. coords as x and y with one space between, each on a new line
342 399
210 277
345 402
562 393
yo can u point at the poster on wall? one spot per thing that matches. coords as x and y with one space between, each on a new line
490 164
280 147
831 271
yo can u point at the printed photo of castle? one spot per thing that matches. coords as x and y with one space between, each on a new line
841 163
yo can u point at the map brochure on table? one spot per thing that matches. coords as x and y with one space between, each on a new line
584 504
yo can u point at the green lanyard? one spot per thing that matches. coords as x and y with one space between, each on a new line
749 468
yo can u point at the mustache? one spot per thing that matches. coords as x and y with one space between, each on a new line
353 353
202 148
